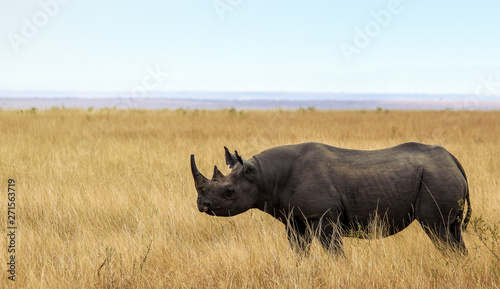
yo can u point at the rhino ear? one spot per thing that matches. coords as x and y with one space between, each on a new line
239 158
218 176
231 160
248 167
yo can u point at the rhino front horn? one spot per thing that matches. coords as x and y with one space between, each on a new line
199 179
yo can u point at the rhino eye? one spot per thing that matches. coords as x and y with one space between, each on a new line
229 194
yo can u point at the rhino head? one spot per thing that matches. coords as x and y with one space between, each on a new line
227 195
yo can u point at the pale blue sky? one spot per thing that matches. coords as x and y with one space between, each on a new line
413 47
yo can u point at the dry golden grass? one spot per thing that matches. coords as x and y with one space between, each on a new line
106 199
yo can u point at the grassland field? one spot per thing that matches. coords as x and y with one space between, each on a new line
105 199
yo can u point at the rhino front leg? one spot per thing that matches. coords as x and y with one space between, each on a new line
299 233
330 237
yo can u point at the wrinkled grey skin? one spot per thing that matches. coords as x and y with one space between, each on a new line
329 192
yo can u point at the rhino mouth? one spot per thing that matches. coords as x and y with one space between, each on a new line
218 211
208 210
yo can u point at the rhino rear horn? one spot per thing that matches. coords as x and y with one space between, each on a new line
231 160
218 176
199 179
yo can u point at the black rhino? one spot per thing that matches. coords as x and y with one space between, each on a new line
324 191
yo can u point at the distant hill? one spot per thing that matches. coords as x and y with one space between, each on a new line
243 100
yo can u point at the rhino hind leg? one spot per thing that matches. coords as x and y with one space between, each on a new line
456 233
446 236
440 215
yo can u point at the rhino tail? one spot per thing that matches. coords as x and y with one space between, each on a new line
469 211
